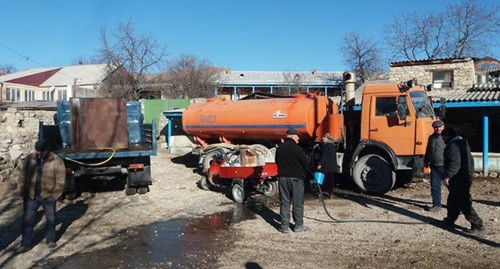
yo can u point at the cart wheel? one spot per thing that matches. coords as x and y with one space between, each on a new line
270 188
238 191
130 191
204 185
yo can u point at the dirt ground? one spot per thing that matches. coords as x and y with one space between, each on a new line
392 231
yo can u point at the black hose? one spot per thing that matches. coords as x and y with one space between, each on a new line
320 195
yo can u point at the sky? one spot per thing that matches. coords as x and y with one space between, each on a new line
255 35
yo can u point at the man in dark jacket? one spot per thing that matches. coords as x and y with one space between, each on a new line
41 182
459 166
328 163
292 162
435 160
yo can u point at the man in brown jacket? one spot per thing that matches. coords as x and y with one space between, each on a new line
41 182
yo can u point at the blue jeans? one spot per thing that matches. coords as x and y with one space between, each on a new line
437 174
30 208
291 191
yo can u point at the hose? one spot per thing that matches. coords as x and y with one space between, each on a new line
95 164
320 194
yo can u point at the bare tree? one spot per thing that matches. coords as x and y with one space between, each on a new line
7 69
362 55
466 28
190 77
295 82
81 60
130 57
472 27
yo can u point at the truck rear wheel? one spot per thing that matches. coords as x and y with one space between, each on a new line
372 174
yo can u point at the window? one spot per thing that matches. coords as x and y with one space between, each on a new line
46 96
422 104
29 95
13 94
62 94
385 106
443 79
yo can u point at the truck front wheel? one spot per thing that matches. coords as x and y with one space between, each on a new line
372 174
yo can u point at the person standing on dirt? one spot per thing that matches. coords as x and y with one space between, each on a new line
292 163
328 163
41 182
458 169
435 160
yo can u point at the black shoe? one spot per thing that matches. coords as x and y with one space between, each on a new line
51 244
284 230
448 225
476 229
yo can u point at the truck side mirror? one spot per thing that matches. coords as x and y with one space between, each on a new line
442 108
402 111
402 107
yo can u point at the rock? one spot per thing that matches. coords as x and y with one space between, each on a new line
493 175
15 152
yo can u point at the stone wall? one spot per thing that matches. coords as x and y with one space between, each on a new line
463 72
18 134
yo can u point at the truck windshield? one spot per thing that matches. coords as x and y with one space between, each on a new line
422 104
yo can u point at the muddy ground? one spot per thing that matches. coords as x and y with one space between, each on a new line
178 225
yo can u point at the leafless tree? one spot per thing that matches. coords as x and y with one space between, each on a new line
362 55
190 77
472 27
130 57
466 28
295 82
81 60
7 69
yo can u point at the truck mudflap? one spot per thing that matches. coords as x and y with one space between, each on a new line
139 178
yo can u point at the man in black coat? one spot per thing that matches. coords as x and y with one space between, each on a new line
292 162
435 160
459 166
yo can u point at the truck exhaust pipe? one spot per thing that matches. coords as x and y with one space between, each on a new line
349 79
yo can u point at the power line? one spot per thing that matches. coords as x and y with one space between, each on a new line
26 58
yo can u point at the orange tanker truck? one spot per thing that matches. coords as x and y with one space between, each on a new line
384 136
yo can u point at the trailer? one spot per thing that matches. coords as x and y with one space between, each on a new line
103 137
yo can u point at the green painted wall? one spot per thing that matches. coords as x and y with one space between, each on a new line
153 109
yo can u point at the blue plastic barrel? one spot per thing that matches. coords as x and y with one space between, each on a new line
63 121
319 177
134 122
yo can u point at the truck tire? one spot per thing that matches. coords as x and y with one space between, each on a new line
372 174
130 190
238 191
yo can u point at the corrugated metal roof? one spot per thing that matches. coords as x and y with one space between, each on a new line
88 75
430 61
255 78
34 79
479 93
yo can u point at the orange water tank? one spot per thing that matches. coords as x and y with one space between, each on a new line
263 119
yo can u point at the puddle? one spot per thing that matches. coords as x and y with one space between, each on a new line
176 243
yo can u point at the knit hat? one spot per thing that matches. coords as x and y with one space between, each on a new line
42 145
292 131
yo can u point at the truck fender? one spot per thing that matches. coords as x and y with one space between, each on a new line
379 148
